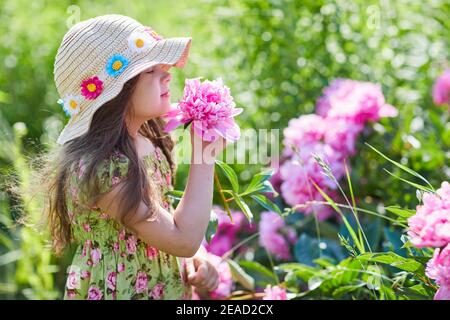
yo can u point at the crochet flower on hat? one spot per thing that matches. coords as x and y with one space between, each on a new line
70 104
153 33
91 88
140 41
116 64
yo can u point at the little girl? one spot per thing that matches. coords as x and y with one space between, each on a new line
108 190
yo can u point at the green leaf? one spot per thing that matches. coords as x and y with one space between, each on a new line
187 124
240 275
302 271
415 185
230 174
257 268
10 257
211 230
257 182
404 213
347 289
399 165
244 207
394 260
266 203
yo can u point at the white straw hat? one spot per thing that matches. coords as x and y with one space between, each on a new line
97 56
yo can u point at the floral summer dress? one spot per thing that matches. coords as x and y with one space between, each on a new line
110 262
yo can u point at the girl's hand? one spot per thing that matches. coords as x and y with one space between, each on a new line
206 148
201 274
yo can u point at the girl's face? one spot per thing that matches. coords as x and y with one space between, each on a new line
151 97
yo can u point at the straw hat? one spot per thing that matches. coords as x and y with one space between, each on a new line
97 56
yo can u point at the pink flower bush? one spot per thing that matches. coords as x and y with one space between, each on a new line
298 172
430 226
271 229
331 134
355 101
226 235
438 268
210 108
274 293
441 89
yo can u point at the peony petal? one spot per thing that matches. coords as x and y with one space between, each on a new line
172 124
236 111
388 111
229 130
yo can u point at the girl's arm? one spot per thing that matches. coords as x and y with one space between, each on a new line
179 234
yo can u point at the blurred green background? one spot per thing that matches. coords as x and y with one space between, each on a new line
276 56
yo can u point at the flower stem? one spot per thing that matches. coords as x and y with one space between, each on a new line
219 188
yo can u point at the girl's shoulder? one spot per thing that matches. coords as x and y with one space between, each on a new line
109 172
112 170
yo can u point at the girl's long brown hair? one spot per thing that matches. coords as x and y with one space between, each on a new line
107 134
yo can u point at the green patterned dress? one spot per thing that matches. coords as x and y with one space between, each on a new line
110 262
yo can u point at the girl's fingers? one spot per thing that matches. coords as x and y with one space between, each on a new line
216 285
210 285
190 269
199 276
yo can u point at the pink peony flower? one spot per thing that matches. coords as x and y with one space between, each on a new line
298 172
157 291
441 89
210 108
274 293
111 280
271 227
225 277
121 267
94 293
443 293
430 226
303 130
438 268
141 282
341 136
355 101
226 234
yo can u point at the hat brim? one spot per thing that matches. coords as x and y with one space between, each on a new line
171 51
